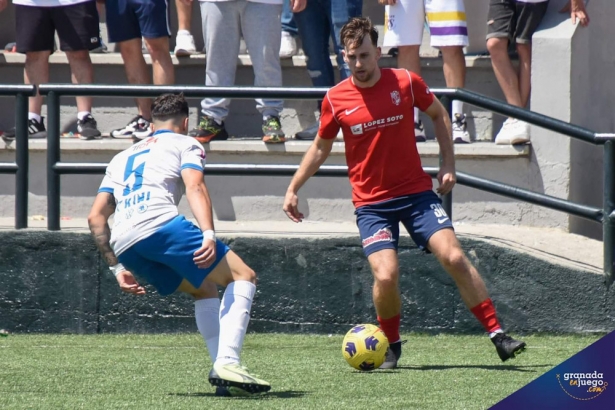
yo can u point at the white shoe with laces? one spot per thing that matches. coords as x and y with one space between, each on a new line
460 129
513 132
184 44
288 45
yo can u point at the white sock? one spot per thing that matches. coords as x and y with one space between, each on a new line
82 114
206 313
34 116
183 33
457 108
495 332
234 318
416 115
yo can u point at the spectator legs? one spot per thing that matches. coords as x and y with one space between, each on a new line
454 66
505 71
221 32
184 15
137 72
525 70
408 58
81 73
261 27
36 71
162 65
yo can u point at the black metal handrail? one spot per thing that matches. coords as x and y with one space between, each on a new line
20 168
606 215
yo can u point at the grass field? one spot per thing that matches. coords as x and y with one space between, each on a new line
305 371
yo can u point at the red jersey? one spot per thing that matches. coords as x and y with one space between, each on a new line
378 127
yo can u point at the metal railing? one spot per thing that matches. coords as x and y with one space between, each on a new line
606 215
20 168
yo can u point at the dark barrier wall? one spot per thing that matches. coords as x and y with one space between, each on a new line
56 282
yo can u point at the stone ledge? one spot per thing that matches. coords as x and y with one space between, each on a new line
242 60
291 147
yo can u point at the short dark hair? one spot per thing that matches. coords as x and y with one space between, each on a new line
170 107
354 32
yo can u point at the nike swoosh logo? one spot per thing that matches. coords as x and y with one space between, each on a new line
348 112
442 220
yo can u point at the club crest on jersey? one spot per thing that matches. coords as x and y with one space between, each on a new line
395 97
382 235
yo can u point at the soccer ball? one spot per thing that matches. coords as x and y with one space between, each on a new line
365 347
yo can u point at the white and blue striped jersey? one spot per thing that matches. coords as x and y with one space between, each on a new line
146 182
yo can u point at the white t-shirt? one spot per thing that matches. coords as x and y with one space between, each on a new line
48 3
146 182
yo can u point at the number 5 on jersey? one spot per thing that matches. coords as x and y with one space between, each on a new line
135 165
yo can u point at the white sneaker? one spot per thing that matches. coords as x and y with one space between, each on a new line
419 132
184 44
288 46
460 129
513 132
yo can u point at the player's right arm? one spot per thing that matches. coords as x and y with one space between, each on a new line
200 204
98 221
314 157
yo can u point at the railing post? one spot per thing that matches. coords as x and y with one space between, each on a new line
53 157
608 224
447 200
22 160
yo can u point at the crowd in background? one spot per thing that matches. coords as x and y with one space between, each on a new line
270 29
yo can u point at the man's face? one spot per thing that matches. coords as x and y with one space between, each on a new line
363 60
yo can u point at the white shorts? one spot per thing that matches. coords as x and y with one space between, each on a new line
404 22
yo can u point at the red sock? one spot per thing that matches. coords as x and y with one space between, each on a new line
390 327
485 313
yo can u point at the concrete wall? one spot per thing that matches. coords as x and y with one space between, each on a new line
573 80
56 283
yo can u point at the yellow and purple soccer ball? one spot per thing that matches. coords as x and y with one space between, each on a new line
365 347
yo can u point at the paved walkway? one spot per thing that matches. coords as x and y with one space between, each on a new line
553 245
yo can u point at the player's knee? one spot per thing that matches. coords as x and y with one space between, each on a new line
245 273
386 280
455 261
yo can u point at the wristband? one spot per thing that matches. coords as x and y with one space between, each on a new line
116 269
209 234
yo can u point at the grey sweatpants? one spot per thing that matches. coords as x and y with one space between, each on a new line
223 24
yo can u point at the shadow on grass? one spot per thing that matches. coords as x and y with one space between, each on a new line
288 394
505 368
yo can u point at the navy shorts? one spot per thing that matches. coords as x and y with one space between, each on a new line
421 214
164 259
130 19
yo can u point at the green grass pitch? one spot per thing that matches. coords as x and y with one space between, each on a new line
306 372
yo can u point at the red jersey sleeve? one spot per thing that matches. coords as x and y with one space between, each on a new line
329 126
421 95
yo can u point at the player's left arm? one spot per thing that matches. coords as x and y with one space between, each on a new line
200 204
442 125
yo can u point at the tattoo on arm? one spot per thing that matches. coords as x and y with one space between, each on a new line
102 235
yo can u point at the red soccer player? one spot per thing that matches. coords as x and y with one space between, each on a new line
375 111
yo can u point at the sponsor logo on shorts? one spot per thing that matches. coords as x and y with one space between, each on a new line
94 40
382 235
395 97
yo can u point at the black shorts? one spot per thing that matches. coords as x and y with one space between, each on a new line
514 20
77 27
